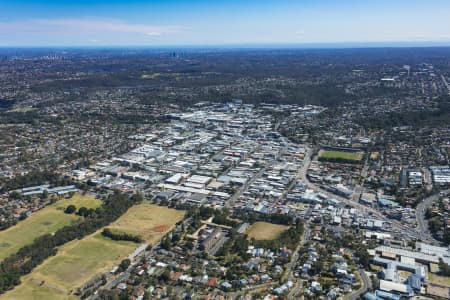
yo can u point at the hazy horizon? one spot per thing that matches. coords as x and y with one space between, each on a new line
274 46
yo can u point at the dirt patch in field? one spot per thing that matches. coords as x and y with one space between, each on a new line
160 228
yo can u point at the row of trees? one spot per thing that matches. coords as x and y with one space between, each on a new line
121 236
82 211
252 217
340 160
28 257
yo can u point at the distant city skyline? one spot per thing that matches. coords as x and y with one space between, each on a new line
221 23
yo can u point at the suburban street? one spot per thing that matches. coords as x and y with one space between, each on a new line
299 284
446 83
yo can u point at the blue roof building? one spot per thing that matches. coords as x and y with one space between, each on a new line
415 282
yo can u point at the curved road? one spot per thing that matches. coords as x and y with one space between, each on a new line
366 283
420 215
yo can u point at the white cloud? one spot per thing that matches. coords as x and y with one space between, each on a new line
153 33
89 26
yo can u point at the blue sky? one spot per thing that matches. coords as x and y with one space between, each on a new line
217 22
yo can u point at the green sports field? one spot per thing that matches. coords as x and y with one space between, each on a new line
47 220
349 156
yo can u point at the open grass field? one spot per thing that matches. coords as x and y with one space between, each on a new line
33 290
436 279
265 231
79 261
148 221
47 220
75 263
88 201
350 156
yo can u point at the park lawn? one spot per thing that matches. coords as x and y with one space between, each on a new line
351 156
150 222
75 263
265 231
44 221
81 260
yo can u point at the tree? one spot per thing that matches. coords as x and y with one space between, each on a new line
444 269
147 295
23 216
317 267
70 209
166 244
53 199
44 194
15 195
363 255
124 264
175 238
165 276
83 211
189 245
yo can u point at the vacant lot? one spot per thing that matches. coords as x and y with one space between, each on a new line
47 220
341 155
81 260
265 231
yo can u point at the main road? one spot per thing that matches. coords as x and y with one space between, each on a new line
309 184
395 224
230 202
420 215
